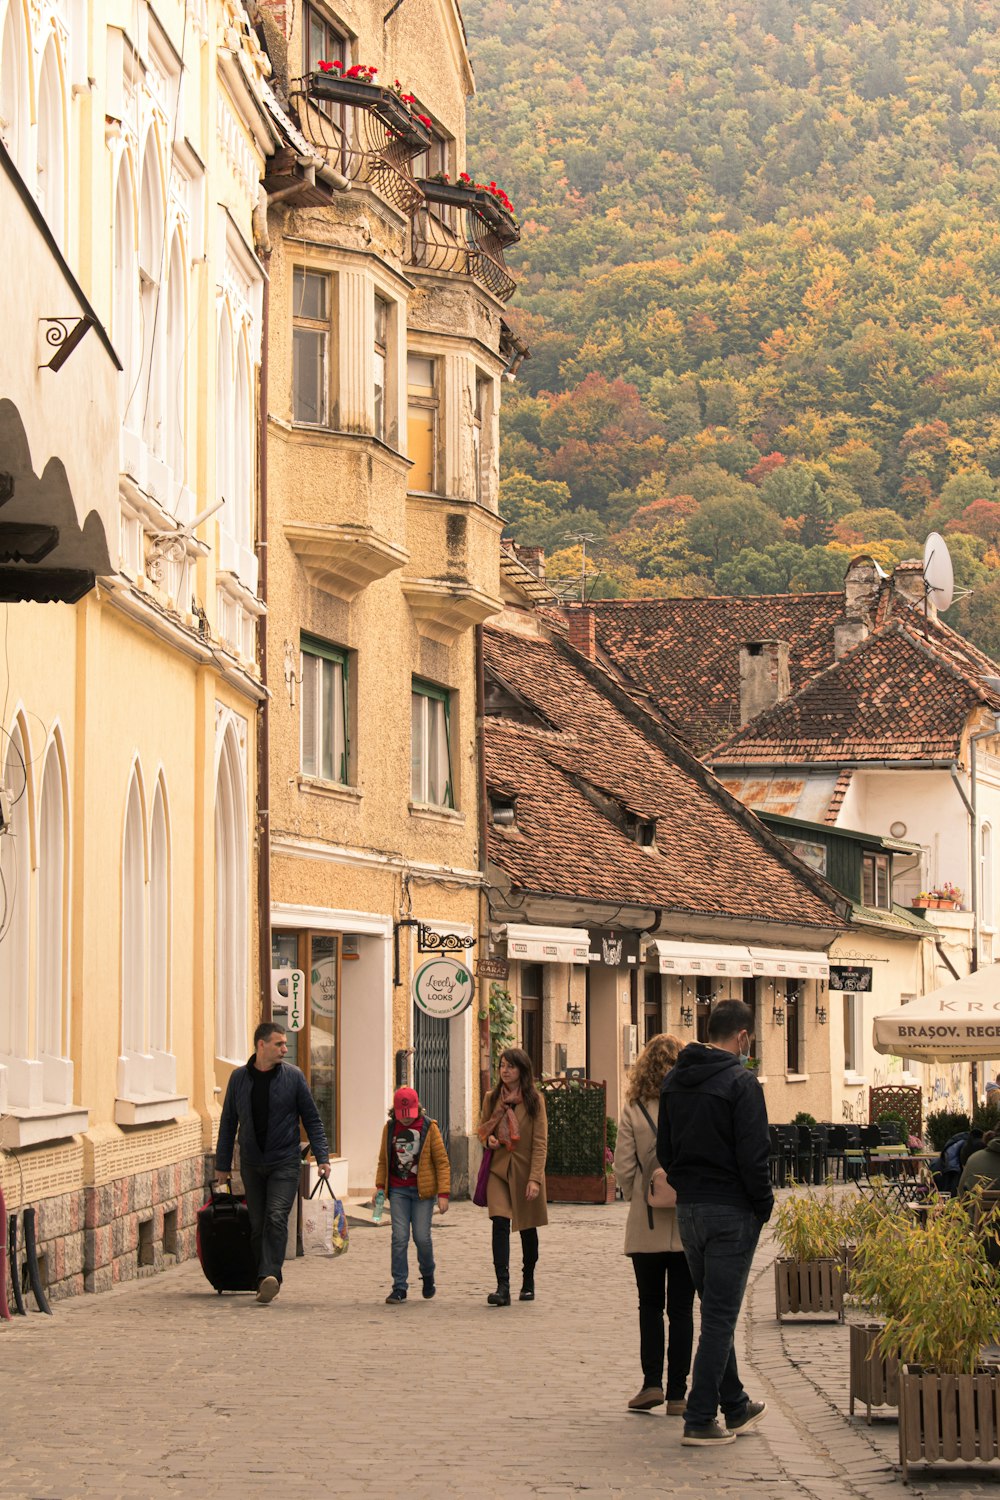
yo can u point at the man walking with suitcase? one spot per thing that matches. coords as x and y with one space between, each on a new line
264 1103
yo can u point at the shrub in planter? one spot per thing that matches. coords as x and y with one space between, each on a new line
947 1300
811 1276
942 1124
878 1268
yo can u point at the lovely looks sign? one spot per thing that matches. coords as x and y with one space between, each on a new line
958 1023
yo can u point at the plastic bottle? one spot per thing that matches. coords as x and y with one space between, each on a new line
378 1206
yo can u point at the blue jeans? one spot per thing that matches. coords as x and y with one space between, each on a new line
270 1195
719 1241
410 1212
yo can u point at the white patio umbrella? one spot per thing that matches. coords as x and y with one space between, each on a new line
958 1023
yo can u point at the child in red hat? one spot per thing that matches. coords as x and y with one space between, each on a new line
413 1170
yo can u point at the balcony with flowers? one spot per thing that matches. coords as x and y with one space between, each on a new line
464 227
368 133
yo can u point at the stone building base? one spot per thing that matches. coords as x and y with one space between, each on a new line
135 1225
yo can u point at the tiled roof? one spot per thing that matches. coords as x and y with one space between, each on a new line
897 696
899 919
685 652
712 857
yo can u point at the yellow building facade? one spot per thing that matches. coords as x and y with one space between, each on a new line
386 350
134 140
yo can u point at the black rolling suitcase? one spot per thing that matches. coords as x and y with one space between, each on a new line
224 1248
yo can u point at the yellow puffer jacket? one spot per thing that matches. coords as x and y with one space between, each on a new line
433 1167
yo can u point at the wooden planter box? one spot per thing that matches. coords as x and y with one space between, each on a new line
874 1379
559 1189
955 1418
809 1286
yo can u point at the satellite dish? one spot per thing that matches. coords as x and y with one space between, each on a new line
939 576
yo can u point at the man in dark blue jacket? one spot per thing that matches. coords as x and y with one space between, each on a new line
713 1144
264 1102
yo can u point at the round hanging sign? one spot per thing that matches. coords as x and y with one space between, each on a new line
443 988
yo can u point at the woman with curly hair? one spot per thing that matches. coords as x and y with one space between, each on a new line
515 1126
652 1238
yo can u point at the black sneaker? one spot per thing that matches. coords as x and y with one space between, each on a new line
748 1417
396 1295
429 1287
711 1436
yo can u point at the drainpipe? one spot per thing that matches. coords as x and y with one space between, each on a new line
263 726
484 916
972 805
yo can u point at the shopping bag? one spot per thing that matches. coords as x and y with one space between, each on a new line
479 1196
324 1223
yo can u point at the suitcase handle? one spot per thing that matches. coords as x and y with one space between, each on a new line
226 1201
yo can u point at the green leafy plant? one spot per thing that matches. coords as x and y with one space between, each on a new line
577 1124
942 1124
811 1226
986 1117
502 1034
896 1122
804 1118
942 1292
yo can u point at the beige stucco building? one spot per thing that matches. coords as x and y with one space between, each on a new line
134 141
385 354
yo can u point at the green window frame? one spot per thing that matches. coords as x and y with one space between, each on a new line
325 720
431 780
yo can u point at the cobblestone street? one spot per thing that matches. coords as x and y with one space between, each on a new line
160 1388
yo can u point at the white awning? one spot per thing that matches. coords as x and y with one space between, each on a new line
718 959
548 945
790 963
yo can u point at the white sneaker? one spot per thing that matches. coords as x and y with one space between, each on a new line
268 1289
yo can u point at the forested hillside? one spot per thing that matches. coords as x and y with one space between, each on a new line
760 278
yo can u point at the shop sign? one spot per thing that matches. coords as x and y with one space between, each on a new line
851 977
492 968
288 994
443 988
613 946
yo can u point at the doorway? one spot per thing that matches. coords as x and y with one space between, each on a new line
432 1066
316 1048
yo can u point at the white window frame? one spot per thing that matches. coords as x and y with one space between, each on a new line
381 333
323 329
427 399
232 882
147 1069
50 164
19 1078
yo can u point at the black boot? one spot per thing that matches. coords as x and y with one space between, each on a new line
501 1263
529 1250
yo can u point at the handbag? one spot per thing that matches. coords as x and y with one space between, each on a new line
479 1196
324 1223
659 1193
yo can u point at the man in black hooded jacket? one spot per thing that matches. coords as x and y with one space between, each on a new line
713 1144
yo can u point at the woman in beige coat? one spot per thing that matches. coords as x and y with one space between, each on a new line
515 1126
652 1238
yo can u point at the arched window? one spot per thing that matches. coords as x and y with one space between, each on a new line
15 889
51 164
175 404
987 909
150 275
125 312
134 932
52 1011
231 903
14 86
159 928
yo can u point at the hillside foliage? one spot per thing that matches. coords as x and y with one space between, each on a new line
759 280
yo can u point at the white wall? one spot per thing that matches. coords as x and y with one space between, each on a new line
365 1056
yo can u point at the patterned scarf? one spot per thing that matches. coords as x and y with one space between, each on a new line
503 1122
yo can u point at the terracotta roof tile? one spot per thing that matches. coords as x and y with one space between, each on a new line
897 696
711 856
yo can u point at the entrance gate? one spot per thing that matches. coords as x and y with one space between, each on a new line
432 1066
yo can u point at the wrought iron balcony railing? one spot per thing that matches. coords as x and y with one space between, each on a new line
459 227
365 132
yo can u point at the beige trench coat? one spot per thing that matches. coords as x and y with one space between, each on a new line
511 1171
635 1145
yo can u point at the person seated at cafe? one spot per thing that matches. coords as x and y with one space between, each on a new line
983 1166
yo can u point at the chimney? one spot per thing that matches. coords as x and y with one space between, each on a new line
908 585
583 631
532 558
862 586
846 635
764 678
